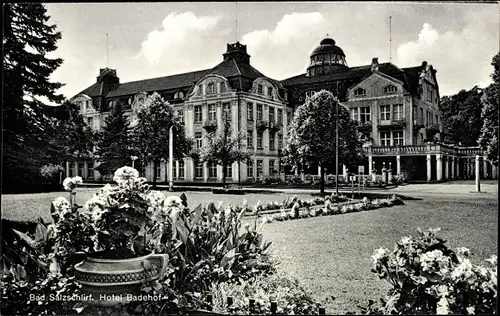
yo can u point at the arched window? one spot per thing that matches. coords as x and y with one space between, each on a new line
310 93
359 92
211 88
222 87
179 95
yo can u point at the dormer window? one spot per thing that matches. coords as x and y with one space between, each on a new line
211 88
360 92
310 93
222 87
269 91
390 89
179 95
200 89
259 89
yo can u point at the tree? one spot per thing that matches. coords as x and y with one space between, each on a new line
223 148
27 41
151 134
310 138
489 115
113 145
462 117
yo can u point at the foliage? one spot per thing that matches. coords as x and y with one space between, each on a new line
150 140
462 117
291 297
223 147
489 115
427 277
27 40
311 136
113 145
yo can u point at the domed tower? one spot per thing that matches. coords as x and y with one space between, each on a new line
326 58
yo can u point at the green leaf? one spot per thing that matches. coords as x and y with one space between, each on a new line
26 238
182 230
228 258
198 211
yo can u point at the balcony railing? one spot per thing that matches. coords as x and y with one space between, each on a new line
433 128
275 126
364 125
210 125
262 125
392 123
425 149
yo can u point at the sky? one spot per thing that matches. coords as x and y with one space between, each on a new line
147 40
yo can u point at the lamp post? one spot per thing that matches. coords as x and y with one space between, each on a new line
337 146
171 159
134 158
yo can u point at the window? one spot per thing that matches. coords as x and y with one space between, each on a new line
259 112
211 88
259 167
259 89
397 138
272 167
158 170
250 139
212 169
365 136
174 171
250 111
286 96
288 117
198 170
272 141
259 140
200 89
198 116
359 92
310 93
397 112
271 114
390 89
179 95
227 110
71 170
364 114
229 171
421 113
129 100
269 91
280 141
280 116
211 112
90 121
180 114
81 169
385 139
222 87
385 112
429 95
249 169
437 120
181 169
355 114
90 170
198 139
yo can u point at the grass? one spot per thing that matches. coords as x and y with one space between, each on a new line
29 207
331 255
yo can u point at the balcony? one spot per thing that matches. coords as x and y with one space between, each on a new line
433 129
275 126
262 125
418 123
364 126
210 125
385 124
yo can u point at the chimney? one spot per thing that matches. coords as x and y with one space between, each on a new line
424 65
375 64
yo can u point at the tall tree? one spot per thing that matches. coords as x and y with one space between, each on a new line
489 115
223 147
26 42
113 142
310 139
151 134
462 117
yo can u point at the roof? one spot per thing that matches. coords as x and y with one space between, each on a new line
328 46
409 76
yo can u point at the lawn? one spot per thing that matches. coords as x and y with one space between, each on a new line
28 207
331 255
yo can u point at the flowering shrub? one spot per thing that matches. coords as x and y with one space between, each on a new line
427 277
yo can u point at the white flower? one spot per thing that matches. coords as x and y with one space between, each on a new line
405 241
428 259
492 260
70 184
173 201
78 180
462 251
462 271
125 173
379 254
61 203
96 200
155 198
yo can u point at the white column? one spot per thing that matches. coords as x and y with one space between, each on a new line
494 171
485 167
447 168
344 171
75 165
170 159
453 168
429 174
67 168
319 171
177 169
205 171
85 170
370 164
478 176
189 172
398 165
439 167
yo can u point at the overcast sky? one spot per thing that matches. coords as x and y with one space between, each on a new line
149 40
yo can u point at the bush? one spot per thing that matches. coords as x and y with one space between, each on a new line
427 277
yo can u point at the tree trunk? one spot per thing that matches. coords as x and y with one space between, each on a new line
322 180
154 173
224 171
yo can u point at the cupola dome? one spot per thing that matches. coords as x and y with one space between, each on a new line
326 58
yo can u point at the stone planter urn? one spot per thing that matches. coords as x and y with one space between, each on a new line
110 282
